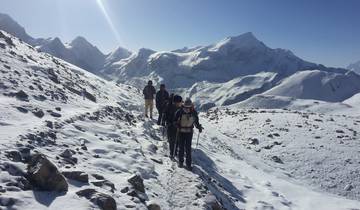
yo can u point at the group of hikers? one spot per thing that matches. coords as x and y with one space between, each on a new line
179 119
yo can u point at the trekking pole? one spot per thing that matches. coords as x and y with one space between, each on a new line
197 141
176 140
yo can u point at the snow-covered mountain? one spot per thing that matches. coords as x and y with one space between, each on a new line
71 140
355 67
230 58
79 52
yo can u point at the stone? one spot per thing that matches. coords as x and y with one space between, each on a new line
13 155
153 206
44 175
125 190
22 109
104 183
137 182
104 201
38 113
77 176
21 95
276 159
66 153
55 114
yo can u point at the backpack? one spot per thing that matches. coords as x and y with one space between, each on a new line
186 122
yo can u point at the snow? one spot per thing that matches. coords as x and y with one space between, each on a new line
319 85
355 67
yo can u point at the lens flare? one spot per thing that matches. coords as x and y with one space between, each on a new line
102 7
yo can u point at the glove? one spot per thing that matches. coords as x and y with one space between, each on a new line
200 129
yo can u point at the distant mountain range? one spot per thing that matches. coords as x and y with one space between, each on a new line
224 73
79 52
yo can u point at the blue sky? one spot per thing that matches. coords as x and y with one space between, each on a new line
321 31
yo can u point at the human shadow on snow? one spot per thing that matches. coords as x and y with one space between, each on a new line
47 197
206 168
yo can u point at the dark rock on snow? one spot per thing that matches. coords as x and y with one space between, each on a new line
104 201
77 176
137 182
44 175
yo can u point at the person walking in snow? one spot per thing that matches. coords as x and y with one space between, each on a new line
162 96
186 118
171 108
149 92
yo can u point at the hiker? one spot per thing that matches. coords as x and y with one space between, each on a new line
162 96
172 106
186 118
149 92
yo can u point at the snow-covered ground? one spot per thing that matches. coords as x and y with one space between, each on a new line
247 159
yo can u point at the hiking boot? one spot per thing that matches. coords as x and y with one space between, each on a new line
172 158
146 116
189 168
180 165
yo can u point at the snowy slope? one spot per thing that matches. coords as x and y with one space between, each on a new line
207 95
291 148
109 141
318 85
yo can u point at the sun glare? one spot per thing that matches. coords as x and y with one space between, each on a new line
102 7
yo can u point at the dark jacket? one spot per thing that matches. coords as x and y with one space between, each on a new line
161 98
190 120
149 92
169 114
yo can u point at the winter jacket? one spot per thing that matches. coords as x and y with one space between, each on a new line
169 114
186 121
161 98
149 92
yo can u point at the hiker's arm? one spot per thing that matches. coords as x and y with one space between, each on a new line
197 123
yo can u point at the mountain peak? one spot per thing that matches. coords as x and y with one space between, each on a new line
246 40
12 27
80 41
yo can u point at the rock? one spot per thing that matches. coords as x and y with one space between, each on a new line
7 201
25 153
339 131
44 175
22 109
137 182
77 176
55 114
159 161
12 169
58 109
21 95
211 203
13 155
104 201
153 206
38 113
152 148
98 177
49 124
253 141
125 190
104 183
67 153
348 187
276 159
